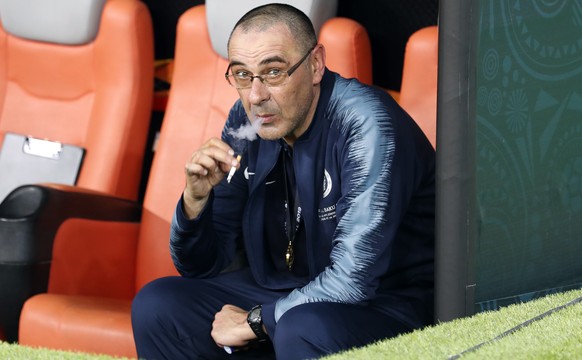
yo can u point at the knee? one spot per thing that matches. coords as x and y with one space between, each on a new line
150 303
303 330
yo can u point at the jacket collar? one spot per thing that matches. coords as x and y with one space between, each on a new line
326 88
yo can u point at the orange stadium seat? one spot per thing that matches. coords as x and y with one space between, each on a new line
92 92
418 92
98 265
77 73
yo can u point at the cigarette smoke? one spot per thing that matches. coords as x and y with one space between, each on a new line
245 132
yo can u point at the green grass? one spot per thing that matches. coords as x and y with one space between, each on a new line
16 352
556 336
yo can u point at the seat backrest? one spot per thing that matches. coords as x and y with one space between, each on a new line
198 106
418 92
80 73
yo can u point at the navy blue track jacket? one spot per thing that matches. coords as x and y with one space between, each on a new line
365 179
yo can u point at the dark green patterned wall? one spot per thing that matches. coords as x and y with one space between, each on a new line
528 101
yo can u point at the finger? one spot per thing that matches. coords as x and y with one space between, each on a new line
203 162
222 152
220 161
219 144
193 169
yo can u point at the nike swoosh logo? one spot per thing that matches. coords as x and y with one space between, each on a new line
247 173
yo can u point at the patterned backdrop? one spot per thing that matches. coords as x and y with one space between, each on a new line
528 149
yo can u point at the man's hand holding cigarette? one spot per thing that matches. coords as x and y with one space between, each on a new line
206 168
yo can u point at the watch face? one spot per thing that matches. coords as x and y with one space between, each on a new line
255 321
255 315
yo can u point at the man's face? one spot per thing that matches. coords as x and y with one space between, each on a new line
287 110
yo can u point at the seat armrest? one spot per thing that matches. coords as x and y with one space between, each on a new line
31 214
30 217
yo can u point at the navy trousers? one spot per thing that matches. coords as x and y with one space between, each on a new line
172 319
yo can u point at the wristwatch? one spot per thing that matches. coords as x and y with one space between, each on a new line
255 321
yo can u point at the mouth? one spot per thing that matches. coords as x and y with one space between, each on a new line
263 119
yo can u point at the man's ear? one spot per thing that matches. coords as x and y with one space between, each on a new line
318 63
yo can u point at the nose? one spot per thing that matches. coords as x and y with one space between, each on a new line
259 92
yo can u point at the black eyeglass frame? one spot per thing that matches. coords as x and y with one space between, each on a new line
289 72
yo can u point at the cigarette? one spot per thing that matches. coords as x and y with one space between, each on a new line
232 170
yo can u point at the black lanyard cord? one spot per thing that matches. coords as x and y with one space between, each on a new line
293 218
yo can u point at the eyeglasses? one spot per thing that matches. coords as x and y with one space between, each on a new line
274 77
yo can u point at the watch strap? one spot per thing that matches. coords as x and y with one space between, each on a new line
255 321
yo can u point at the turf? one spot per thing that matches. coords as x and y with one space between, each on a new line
555 336
16 352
